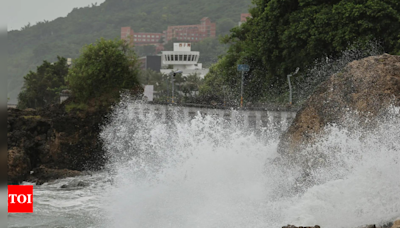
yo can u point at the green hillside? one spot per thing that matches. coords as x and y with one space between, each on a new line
66 36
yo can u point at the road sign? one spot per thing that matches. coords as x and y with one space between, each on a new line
243 67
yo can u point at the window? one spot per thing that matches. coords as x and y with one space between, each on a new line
148 35
152 36
172 57
152 39
185 58
135 35
180 57
139 39
135 39
140 36
176 57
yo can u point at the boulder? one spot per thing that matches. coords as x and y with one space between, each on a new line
396 224
367 87
74 184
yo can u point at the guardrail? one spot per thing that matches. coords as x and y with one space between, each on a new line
266 107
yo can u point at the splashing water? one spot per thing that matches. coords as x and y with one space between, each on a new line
210 173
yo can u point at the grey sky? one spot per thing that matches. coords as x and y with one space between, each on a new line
21 12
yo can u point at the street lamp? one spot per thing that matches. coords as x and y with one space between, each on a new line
290 85
172 75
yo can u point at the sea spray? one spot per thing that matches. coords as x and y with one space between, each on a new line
211 173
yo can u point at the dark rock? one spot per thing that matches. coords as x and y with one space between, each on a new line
19 165
54 139
75 184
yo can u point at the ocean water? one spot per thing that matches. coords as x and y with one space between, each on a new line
211 173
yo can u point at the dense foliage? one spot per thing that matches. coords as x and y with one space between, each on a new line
285 34
65 36
43 87
106 67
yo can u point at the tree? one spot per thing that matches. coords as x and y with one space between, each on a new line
285 34
225 25
43 87
104 68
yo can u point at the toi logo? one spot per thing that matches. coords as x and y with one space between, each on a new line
20 199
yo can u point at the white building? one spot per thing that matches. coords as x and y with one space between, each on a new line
183 59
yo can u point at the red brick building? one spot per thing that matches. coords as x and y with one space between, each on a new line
244 16
187 33
191 33
140 38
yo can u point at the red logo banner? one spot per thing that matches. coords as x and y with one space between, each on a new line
20 199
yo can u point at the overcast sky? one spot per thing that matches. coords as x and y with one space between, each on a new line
19 13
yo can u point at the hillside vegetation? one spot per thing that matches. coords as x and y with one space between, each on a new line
66 36
283 35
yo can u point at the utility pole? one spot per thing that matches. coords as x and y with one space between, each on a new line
172 84
243 68
223 90
241 91
290 85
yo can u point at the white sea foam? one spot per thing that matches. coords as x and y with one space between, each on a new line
204 174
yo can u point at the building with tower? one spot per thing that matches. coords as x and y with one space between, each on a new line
182 58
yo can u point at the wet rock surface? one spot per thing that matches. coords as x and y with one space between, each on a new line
396 224
19 165
364 91
53 143
75 184
366 87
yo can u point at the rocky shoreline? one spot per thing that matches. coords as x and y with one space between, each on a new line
366 87
49 144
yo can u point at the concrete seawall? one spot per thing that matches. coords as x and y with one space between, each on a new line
249 118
